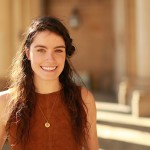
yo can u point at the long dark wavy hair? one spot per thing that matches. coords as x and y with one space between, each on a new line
23 90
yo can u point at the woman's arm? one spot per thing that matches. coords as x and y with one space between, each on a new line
2 136
92 139
3 117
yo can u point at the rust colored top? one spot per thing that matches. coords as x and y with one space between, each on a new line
58 136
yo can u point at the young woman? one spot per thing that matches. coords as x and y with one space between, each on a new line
44 108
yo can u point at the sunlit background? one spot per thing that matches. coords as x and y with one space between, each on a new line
112 38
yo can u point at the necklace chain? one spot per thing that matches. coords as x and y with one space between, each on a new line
47 124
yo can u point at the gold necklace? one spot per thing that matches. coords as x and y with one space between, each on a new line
47 124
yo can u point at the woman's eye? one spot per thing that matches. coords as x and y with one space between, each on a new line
59 50
41 50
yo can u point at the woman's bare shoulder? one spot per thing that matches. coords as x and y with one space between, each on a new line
89 101
87 95
4 99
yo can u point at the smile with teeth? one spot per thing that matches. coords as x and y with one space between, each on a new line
48 68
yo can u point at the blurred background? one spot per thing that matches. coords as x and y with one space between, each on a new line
112 38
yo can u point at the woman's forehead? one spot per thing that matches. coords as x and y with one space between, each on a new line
47 38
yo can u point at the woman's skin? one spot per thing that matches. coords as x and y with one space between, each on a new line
47 54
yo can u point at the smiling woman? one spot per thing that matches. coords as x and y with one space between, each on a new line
44 108
47 55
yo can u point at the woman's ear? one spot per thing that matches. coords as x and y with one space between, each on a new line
27 53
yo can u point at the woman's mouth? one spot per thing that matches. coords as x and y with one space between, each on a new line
45 68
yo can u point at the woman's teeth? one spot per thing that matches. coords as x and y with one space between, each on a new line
49 68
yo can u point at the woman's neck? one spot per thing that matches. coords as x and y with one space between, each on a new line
44 87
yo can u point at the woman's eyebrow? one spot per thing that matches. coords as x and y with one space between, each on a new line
61 46
42 46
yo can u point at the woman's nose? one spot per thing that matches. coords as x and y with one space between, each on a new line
50 56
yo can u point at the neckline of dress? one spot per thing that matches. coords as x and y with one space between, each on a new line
49 94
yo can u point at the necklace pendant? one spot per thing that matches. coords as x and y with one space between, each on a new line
47 125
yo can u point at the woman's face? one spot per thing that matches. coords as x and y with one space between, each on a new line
47 54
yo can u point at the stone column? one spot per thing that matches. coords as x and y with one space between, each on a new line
141 93
143 38
120 55
5 38
31 9
16 24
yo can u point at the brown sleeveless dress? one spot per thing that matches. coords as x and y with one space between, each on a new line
58 136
